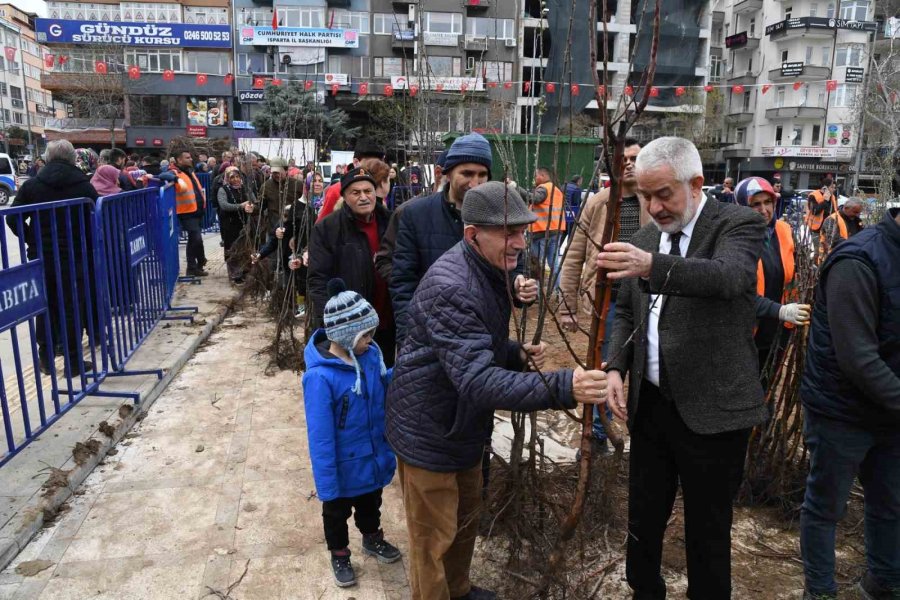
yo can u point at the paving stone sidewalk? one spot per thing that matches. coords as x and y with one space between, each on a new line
211 495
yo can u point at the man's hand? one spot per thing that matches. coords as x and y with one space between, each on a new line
568 321
616 399
623 260
279 232
295 263
798 314
526 289
589 387
254 258
248 207
537 354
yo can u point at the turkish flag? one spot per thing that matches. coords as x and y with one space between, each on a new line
765 87
134 72
798 85
602 90
679 91
492 84
49 59
307 85
202 79
413 90
100 67
277 81
550 87
274 18
654 92
259 83
10 53
363 88
574 89
629 90
334 89
229 79
707 88
62 59
169 75
737 89
439 87
464 87
507 85
388 90
527 86
831 85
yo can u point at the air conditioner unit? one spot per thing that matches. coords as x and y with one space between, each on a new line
510 43
286 59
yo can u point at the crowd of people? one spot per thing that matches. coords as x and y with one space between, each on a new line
410 355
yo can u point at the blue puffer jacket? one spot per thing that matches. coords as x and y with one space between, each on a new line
458 365
349 452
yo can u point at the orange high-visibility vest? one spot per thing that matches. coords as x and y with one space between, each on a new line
185 198
786 249
550 212
815 221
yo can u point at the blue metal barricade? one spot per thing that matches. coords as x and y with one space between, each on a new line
51 315
210 222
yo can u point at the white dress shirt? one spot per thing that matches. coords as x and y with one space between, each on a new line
656 302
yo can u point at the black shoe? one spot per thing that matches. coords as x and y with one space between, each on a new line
343 570
872 590
198 272
477 593
203 262
383 551
44 366
76 368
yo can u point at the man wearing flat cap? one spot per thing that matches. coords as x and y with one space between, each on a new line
456 367
343 245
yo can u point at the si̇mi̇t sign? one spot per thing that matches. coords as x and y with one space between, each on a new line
22 293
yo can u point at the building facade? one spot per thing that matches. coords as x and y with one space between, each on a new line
794 74
137 74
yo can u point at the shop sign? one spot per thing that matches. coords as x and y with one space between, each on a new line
299 36
819 167
171 35
440 39
157 141
207 112
854 75
791 69
807 151
196 131
251 96
449 84
820 23
140 142
738 40
337 78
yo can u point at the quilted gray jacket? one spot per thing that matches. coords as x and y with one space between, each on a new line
457 365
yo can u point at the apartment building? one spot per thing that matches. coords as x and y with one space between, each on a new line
24 105
137 74
801 65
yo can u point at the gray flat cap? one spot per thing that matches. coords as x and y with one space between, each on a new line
494 203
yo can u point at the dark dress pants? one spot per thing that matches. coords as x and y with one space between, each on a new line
194 252
709 468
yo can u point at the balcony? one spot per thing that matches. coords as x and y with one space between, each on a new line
747 6
810 27
81 82
404 3
795 112
718 17
475 44
747 78
739 118
736 152
477 5
807 73
403 40
338 3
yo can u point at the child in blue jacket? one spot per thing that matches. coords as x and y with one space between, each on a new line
344 388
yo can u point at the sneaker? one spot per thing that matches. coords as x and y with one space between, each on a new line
872 590
300 312
477 593
343 570
383 551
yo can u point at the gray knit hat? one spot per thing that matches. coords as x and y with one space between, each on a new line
495 203
348 316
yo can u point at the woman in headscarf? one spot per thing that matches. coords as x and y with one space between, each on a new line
315 195
86 160
106 180
236 203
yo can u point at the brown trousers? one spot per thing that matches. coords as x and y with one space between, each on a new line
442 521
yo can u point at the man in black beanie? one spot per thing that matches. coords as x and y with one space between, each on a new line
365 148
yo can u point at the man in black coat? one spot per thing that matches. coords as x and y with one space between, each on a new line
684 332
60 179
343 245
456 367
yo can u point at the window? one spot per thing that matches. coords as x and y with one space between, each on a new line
443 22
255 63
715 69
784 56
7 116
826 56
155 110
153 60
740 135
212 63
809 55
387 23
494 70
500 29
354 66
750 64
797 136
855 10
205 15
84 60
15 92
779 98
848 56
299 16
150 12
84 11
816 132
804 95
779 131
814 9
746 102
788 10
388 67
752 27
18 118
830 13
844 95
444 66
257 16
346 19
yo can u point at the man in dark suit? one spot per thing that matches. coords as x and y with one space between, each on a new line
684 334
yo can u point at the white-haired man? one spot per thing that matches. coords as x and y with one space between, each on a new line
684 333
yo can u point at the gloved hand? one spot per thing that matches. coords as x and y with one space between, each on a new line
798 314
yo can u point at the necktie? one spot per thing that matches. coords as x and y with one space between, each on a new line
675 239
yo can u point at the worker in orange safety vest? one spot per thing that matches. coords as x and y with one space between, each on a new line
841 225
190 204
548 203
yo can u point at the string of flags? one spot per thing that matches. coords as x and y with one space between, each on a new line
364 87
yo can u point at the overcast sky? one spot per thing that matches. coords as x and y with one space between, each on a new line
35 6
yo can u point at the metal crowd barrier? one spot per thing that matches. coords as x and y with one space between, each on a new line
210 222
81 287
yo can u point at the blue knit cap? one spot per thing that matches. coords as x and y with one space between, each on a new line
472 148
348 317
